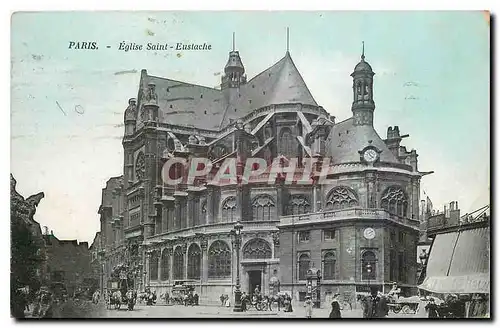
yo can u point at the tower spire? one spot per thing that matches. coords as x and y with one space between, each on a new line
233 41
287 39
363 51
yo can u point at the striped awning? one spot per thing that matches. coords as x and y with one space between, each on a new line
459 263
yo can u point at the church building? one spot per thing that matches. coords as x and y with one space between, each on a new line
359 228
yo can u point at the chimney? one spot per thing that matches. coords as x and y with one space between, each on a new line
454 213
51 232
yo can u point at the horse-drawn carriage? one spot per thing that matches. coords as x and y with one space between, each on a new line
182 295
405 305
119 293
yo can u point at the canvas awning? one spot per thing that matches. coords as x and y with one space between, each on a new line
459 263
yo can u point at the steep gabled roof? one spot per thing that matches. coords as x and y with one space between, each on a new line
188 104
203 107
279 84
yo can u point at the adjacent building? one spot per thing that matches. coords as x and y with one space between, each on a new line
68 265
359 228
459 258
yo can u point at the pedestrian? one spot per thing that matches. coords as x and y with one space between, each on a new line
309 307
243 301
432 309
222 299
375 306
335 312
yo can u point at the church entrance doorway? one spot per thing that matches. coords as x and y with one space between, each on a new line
254 280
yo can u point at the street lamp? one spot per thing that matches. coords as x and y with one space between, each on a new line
369 271
236 233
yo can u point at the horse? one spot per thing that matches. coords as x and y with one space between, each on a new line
141 297
131 299
275 299
116 299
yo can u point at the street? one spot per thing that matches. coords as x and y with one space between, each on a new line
179 311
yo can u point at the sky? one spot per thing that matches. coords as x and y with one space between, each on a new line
432 80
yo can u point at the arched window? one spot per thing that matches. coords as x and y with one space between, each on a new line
165 265
219 258
263 208
298 204
329 266
257 249
153 266
194 262
394 201
304 262
229 209
368 266
178 263
341 197
287 143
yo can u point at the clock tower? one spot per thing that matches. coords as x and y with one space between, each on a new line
363 105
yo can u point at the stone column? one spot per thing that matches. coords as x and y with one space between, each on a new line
204 259
148 272
177 214
415 198
280 199
316 197
210 205
170 263
190 213
370 191
184 253
276 243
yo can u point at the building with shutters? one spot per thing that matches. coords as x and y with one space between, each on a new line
181 234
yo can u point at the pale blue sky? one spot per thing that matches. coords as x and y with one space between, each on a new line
70 156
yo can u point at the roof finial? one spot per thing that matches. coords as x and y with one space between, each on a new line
233 41
363 53
287 39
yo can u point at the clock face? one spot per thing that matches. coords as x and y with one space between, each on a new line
369 233
370 155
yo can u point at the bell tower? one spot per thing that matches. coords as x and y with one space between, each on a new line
234 72
363 104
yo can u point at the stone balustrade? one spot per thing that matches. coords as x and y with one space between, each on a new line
345 214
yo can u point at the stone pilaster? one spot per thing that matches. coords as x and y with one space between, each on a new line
170 263
316 199
204 252
184 253
190 210
177 218
210 205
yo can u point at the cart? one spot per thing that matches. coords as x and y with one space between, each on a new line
404 305
119 293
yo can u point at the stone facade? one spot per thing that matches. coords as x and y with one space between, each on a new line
182 234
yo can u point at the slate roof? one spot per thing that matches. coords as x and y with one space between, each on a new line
346 139
192 105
